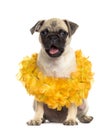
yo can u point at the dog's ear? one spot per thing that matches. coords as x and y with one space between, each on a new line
37 26
71 27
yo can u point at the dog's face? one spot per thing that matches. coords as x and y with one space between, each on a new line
54 35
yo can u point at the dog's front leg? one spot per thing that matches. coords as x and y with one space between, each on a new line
39 112
71 117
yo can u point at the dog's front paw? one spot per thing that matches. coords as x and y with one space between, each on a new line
35 122
70 122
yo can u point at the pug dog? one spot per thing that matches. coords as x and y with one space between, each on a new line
57 59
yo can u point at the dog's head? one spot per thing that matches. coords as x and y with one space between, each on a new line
54 35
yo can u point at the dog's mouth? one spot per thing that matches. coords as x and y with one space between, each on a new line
54 51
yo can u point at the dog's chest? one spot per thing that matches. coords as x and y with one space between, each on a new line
61 67
56 69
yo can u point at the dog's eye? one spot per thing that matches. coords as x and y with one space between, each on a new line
44 32
63 33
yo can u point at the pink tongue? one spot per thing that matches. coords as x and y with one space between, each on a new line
53 50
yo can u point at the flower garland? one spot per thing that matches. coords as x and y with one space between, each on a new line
56 92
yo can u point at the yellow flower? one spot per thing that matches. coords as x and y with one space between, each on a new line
57 92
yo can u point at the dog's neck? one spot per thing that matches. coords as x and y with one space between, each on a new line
57 67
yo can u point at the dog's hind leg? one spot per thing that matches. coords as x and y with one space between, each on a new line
82 111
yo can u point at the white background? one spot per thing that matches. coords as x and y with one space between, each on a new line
92 36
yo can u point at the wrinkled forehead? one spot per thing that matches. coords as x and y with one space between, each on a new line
54 25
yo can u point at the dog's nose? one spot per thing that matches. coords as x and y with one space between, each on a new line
54 38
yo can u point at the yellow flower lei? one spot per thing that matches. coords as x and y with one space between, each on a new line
57 92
